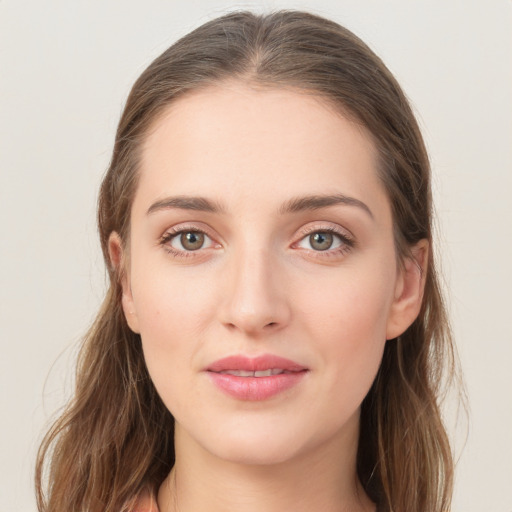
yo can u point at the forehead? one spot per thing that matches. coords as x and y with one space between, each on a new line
257 145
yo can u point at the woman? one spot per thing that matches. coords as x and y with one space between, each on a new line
273 336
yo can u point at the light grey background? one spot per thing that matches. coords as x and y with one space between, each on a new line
65 70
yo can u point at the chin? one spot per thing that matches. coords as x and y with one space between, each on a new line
260 453
256 443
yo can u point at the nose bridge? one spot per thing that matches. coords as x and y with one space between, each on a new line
255 300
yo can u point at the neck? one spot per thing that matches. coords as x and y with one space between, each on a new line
324 479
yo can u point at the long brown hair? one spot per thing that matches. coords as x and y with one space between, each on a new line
115 438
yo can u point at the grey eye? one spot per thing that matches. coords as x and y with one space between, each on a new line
321 240
189 241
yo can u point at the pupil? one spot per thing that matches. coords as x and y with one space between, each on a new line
192 240
321 241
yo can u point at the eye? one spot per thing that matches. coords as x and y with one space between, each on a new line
186 241
322 240
189 240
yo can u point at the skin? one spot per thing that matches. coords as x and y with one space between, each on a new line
259 286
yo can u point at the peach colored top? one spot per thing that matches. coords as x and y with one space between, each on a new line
146 503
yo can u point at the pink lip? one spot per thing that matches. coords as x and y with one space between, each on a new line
254 364
255 388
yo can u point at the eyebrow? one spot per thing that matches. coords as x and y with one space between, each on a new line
316 202
186 203
294 205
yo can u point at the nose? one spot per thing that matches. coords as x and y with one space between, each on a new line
255 300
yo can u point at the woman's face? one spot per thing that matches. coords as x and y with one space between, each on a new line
261 271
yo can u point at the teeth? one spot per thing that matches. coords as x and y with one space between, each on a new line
261 373
239 373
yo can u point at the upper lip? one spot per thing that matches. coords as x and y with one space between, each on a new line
255 364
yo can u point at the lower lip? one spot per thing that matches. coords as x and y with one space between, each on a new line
256 388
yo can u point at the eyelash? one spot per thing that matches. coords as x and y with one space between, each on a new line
347 242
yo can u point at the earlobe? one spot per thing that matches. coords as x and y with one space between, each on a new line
408 291
119 263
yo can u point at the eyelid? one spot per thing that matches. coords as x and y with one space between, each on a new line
329 227
190 226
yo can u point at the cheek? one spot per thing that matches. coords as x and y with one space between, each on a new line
347 321
355 306
172 313
169 302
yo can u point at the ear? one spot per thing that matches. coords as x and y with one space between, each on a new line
408 291
119 262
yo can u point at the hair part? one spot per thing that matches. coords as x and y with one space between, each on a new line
116 436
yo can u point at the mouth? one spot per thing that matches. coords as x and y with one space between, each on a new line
261 373
255 366
255 379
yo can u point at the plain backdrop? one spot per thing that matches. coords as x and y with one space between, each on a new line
66 67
